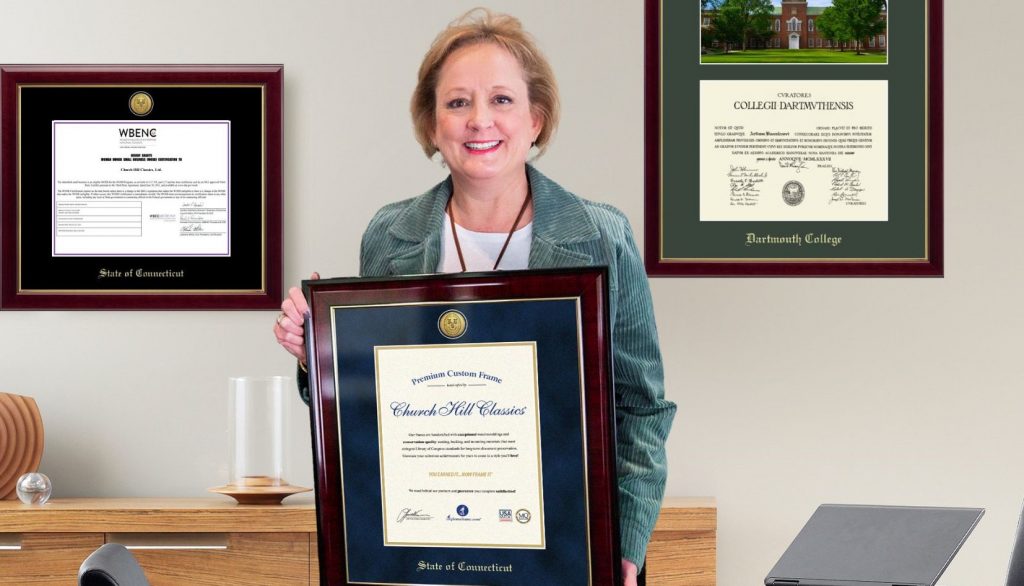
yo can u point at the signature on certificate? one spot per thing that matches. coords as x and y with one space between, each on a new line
745 184
744 172
846 186
412 515
796 163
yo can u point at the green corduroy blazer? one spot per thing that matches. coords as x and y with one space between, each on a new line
404 238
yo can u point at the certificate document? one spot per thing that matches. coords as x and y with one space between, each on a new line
459 428
805 150
134 188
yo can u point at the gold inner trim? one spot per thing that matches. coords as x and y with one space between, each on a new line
540 460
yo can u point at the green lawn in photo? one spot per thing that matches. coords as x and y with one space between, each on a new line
793 56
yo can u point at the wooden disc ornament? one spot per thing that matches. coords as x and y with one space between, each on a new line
21 441
259 490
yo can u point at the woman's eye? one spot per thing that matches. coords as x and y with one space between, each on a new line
502 100
458 103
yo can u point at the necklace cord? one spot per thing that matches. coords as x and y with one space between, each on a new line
455 234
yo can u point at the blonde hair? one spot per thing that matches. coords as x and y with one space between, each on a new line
479 25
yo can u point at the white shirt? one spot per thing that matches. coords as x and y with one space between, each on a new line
480 249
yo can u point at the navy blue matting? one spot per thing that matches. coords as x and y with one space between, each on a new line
553 325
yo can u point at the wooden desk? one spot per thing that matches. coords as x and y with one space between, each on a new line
684 545
216 542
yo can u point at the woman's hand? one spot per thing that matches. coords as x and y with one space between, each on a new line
629 572
290 323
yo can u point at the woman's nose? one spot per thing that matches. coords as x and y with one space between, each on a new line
480 117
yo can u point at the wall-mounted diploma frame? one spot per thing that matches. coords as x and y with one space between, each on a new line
463 429
821 163
140 187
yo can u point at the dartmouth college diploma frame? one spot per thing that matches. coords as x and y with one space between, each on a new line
463 429
791 149
140 187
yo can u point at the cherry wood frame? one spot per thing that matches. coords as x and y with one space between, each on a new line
658 265
589 285
196 295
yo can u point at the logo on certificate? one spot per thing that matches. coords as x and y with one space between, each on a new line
463 514
793 193
452 324
523 516
505 515
141 103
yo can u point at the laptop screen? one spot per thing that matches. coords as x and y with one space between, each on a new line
875 545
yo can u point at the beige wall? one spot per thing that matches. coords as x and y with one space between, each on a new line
791 392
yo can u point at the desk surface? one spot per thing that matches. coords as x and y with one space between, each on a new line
223 515
110 515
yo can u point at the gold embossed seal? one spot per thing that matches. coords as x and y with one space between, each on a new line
452 324
141 103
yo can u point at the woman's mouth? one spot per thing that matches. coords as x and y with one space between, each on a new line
482 147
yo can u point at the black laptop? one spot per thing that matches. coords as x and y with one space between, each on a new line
861 545
1015 574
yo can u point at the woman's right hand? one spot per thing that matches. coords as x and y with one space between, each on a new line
289 328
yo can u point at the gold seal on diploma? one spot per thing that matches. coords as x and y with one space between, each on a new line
452 324
141 103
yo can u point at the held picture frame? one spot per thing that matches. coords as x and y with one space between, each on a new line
140 186
731 191
463 429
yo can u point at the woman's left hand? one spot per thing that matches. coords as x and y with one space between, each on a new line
629 572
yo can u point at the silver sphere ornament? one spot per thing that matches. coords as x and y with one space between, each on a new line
34 488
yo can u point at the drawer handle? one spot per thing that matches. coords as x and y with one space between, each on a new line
172 541
10 541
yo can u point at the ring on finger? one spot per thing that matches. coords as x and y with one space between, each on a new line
280 318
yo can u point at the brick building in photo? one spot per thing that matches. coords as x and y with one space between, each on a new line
793 28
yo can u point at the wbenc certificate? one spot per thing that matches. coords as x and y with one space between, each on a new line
141 188
459 431
794 150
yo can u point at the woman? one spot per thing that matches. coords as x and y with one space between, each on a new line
485 98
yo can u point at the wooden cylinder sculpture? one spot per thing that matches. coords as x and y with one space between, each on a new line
21 441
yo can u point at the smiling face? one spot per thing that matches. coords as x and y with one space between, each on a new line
485 125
